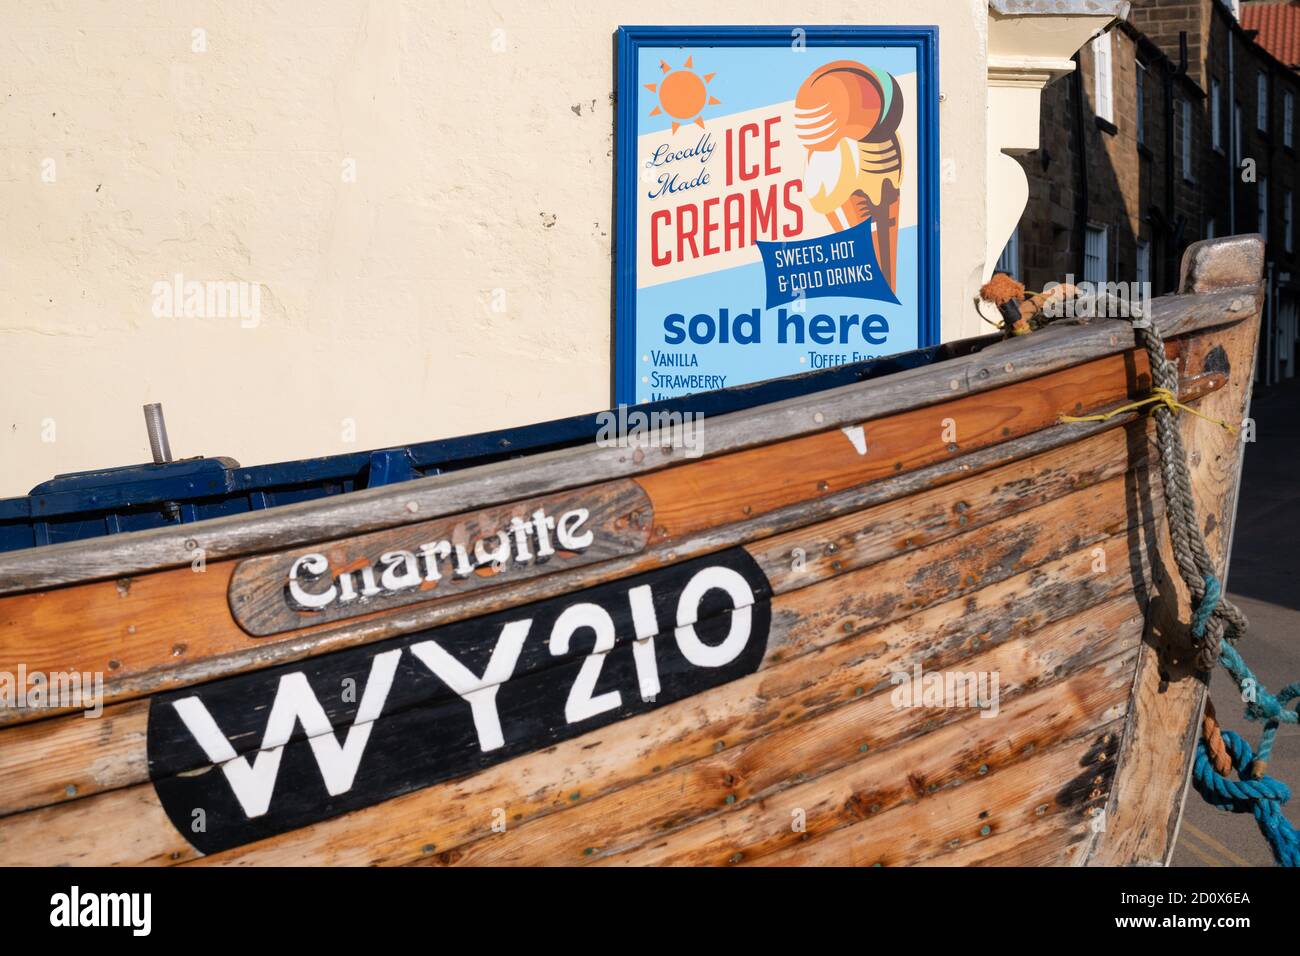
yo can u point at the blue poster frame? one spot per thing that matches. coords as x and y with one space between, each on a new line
925 40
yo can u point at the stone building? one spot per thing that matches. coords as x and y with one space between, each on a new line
1177 124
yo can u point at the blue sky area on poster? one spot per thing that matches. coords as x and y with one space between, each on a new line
750 175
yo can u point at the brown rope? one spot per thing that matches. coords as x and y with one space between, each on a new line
1212 734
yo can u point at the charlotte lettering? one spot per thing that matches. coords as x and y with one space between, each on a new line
524 540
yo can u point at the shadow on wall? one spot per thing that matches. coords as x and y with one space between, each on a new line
1090 181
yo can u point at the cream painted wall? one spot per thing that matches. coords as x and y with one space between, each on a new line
481 134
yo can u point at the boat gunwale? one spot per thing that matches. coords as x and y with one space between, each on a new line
999 364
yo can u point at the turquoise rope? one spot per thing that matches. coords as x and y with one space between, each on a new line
1201 617
1259 795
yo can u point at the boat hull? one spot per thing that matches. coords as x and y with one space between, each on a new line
919 620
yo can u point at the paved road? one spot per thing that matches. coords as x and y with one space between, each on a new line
1264 580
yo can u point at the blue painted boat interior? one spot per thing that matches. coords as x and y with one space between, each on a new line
92 504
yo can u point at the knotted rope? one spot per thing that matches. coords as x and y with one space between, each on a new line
1216 625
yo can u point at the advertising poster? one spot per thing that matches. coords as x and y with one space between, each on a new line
776 200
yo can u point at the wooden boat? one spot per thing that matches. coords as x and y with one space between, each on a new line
603 652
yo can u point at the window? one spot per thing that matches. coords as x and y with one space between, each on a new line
1185 111
1216 115
1102 100
1288 119
1262 190
1143 271
1094 254
1261 101
1141 104
1286 221
1009 261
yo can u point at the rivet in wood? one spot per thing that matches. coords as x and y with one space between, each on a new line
874 808
984 373
857 692
962 519
114 665
71 790
954 384
736 857
748 509
1008 368
952 446
661 531
1040 809
191 544
984 768
427 848
178 650
123 586
836 565
848 627
864 748
589 851
576 795
819 418
877 864
719 746
130 629
823 486
412 506
731 798
985 830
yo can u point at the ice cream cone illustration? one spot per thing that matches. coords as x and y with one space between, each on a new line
847 117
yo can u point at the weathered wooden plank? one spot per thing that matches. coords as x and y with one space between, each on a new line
129 629
376 509
1061 781
1042 702
1160 739
1046 841
543 782
67 758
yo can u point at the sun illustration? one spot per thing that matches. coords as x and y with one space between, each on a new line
682 94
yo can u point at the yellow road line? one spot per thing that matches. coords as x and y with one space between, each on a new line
1214 844
1196 851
